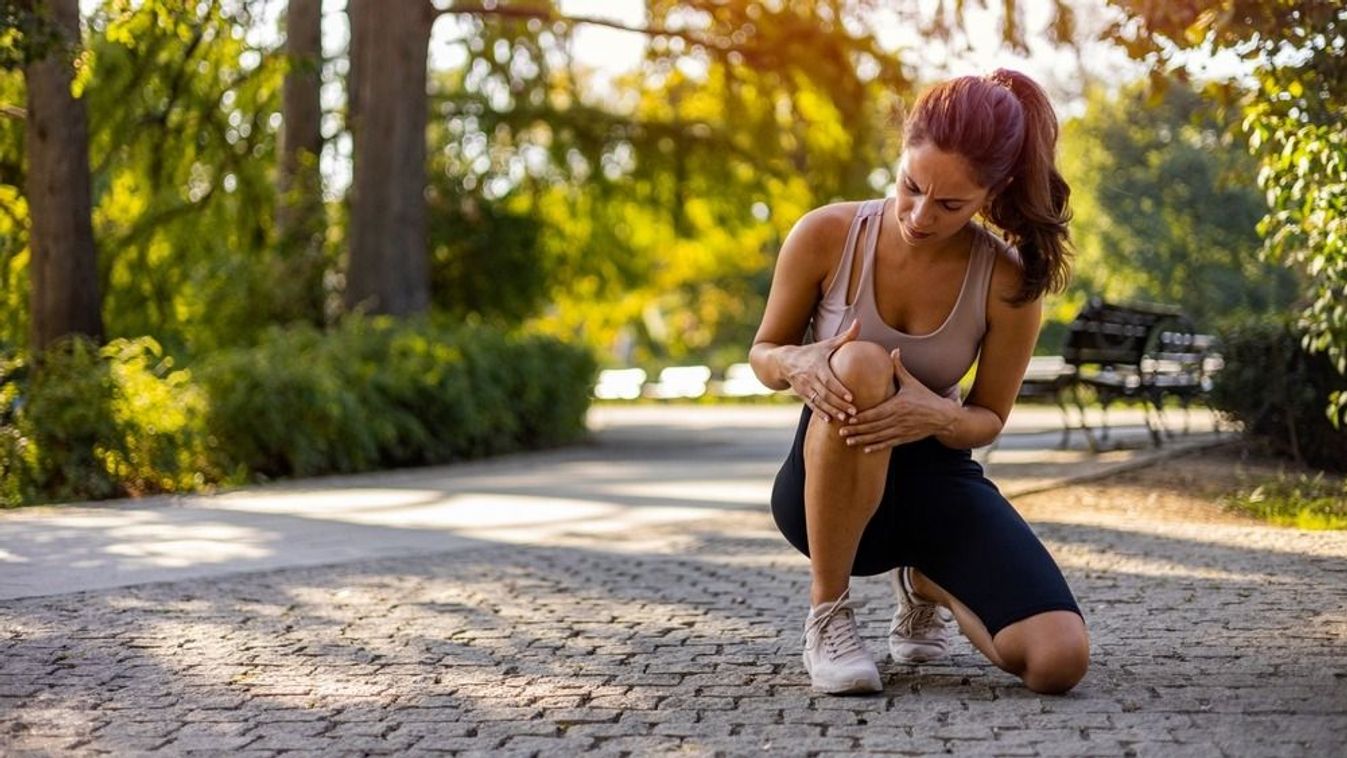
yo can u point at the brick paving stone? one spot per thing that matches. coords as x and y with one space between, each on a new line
1206 641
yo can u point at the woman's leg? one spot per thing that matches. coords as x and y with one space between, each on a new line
1049 651
843 485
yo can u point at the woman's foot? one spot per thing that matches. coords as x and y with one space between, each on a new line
834 654
921 629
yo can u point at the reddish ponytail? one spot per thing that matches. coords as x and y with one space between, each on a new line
1004 126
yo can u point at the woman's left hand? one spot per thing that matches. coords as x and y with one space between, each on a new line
914 413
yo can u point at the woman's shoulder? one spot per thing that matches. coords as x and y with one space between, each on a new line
831 220
1007 266
1004 251
820 233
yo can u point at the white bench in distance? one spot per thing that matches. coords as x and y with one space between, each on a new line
680 382
740 381
619 384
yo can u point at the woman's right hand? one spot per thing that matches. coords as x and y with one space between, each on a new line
810 373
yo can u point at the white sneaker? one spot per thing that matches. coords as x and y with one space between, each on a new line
921 629
834 654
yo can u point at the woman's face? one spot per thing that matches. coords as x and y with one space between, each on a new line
937 195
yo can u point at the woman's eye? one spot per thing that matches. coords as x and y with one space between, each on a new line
912 188
949 207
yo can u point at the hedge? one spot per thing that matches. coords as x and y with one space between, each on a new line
124 420
1280 393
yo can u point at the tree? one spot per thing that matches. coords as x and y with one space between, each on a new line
1295 118
796 45
300 225
1166 207
65 296
388 271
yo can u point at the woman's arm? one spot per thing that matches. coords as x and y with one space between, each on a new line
1006 349
777 357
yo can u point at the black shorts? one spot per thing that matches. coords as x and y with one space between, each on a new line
941 515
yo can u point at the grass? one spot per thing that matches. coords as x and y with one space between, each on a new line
1302 501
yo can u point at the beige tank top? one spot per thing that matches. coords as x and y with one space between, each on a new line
938 359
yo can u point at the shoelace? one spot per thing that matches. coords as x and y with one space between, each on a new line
835 637
918 619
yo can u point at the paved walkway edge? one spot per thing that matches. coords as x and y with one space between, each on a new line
1149 459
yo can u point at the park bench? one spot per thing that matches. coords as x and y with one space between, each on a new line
1144 353
678 382
619 384
740 381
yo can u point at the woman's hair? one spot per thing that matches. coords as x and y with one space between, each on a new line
1004 126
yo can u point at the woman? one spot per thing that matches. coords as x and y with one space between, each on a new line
901 295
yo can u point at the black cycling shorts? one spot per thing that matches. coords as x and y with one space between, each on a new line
941 515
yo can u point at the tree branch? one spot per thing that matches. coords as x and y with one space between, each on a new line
12 111
545 14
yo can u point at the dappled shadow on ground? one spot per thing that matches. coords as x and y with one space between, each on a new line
1201 641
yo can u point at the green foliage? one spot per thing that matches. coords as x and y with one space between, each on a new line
182 115
1293 118
96 423
484 258
653 213
1166 208
26 35
1306 185
93 422
1303 501
376 394
1278 391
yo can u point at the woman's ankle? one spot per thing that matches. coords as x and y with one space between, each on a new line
821 596
924 589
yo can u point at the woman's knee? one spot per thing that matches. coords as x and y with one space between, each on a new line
1050 652
1054 669
866 369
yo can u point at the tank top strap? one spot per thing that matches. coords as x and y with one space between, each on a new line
864 221
983 262
843 275
872 210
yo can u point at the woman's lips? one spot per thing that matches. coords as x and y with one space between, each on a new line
916 235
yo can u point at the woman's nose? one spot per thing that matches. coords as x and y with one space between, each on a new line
922 213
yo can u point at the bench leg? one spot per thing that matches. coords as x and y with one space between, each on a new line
1084 426
1160 431
1066 422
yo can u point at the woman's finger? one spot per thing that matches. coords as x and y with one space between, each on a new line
880 414
858 430
866 440
831 404
844 398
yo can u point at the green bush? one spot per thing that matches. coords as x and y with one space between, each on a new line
96 423
100 422
1279 393
375 394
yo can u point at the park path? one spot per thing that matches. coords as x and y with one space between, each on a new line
497 616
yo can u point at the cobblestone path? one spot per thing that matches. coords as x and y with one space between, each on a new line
1208 640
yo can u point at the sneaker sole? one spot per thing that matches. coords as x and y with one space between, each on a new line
853 687
917 657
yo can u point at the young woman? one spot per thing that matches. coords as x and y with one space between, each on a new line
900 296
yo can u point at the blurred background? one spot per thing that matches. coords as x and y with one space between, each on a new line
284 201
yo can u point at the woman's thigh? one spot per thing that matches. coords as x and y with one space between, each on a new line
969 540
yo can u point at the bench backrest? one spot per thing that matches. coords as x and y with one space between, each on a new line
1107 334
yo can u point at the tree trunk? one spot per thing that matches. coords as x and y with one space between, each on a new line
389 265
299 214
63 266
